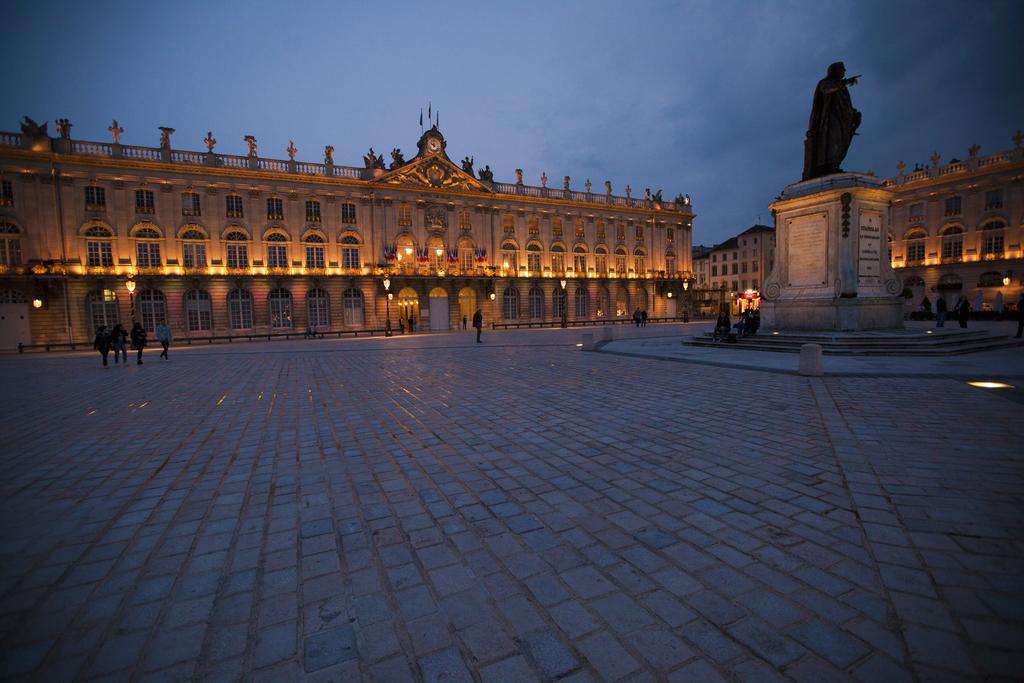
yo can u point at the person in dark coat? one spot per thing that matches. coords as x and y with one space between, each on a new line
138 341
721 326
636 317
963 311
118 342
464 323
1020 315
102 343
940 311
478 323
643 318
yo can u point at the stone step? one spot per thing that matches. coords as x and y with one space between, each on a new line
951 347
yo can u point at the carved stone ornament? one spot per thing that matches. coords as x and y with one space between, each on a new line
116 131
901 167
329 155
544 179
165 137
435 172
64 128
292 151
250 140
936 157
210 141
846 198
972 151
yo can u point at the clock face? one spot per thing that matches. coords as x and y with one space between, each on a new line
433 144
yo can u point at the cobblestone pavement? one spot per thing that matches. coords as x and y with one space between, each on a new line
439 511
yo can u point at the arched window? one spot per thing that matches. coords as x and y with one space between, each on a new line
950 281
277 250
558 302
237 249
405 251
601 260
510 257
952 243
280 301
10 244
579 258
915 246
240 309
350 252
622 303
467 255
557 259
198 311
147 249
601 304
511 300
533 257
103 309
620 261
992 239
152 308
670 263
317 309
315 257
640 262
990 279
97 231
536 303
353 304
641 298
582 303
193 249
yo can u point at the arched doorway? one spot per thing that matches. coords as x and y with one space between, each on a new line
438 309
408 305
467 303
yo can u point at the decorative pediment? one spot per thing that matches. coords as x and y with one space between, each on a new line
435 171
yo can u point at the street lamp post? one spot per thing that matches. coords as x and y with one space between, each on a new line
565 305
130 285
387 306
686 301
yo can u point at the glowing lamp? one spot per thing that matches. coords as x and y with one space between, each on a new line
686 285
387 284
492 296
390 296
408 250
130 284
37 303
669 295
1006 281
439 251
562 282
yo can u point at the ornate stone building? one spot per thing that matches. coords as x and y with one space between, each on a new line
957 229
97 233
732 272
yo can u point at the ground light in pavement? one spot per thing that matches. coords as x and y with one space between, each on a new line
991 385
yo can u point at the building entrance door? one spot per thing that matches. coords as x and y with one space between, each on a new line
467 305
438 309
14 323
408 306
670 308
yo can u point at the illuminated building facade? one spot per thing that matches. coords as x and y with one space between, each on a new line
221 245
957 229
732 272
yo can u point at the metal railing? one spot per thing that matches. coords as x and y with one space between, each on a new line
585 323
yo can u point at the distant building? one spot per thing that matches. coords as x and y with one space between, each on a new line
957 229
96 233
734 270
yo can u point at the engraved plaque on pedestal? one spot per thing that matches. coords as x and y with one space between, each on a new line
869 251
808 250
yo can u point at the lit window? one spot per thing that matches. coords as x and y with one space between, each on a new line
103 309
915 246
240 309
317 309
198 311
348 213
10 244
148 254
190 204
312 211
280 301
275 209
6 193
233 205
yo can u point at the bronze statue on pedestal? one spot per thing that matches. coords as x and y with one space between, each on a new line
832 126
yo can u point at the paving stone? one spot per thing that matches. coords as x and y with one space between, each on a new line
328 648
511 670
549 653
837 647
765 641
444 666
607 656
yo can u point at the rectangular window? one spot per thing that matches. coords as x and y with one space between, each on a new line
743 284
558 263
640 264
753 267
6 193
534 226
348 213
953 206
234 206
312 212
466 259
533 261
465 220
670 235
639 233
579 263
238 255
510 261
277 256
743 269
714 271
620 263
508 224
620 232
144 201
753 284
314 256
600 231
992 243
601 263
95 199
917 210
556 227
350 257
190 204
10 251
993 200
670 265
714 258
193 255
148 254
735 285
404 215
99 254
275 209
734 269
580 230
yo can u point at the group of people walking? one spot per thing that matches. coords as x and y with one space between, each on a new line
640 317
118 338
961 311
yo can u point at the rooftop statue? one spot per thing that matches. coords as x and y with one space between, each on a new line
832 126
329 155
33 130
397 159
116 130
64 128
165 137
373 160
486 174
467 165
250 140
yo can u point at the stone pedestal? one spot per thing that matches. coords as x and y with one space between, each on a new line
832 269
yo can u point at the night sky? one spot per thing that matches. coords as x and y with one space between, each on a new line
709 98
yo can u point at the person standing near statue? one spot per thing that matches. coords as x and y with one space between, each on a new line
833 124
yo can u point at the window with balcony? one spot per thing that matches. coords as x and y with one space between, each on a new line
639 233
556 227
557 259
350 252
348 213
315 252
601 232
405 215
533 258
579 260
580 229
95 198
510 258
915 246
992 239
533 226
620 261
465 220
233 206
993 200
10 244
147 254
6 193
917 212
601 261
953 206
640 261
193 249
275 209
620 233
277 250
508 224
952 244
190 204
236 249
144 203
670 263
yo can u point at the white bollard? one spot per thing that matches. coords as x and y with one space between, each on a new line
810 360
